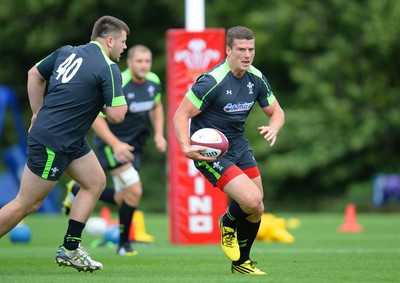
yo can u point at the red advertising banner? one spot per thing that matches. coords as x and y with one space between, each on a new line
194 204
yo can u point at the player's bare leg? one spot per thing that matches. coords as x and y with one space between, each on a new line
33 190
87 172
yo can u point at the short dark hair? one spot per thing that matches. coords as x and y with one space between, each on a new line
107 25
238 32
138 47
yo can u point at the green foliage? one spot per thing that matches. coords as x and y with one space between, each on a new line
332 64
333 68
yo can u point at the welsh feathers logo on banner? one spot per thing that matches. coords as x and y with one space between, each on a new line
197 57
194 204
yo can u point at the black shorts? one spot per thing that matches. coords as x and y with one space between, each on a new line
48 164
108 161
239 159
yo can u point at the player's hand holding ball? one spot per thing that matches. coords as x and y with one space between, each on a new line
207 144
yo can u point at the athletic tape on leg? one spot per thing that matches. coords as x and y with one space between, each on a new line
125 179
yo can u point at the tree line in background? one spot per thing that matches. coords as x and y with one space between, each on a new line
332 64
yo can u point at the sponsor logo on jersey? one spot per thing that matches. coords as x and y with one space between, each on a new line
235 107
141 106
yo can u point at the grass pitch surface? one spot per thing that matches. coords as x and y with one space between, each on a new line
319 254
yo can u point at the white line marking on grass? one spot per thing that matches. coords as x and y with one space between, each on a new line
321 251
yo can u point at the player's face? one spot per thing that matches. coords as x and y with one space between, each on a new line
118 47
240 56
140 64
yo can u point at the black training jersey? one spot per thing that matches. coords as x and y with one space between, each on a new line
81 80
140 98
226 101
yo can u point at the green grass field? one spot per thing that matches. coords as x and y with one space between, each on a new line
319 254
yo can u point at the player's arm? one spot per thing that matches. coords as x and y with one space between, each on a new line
116 114
157 120
122 150
115 108
276 121
36 86
185 111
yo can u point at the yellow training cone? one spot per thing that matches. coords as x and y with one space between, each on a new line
273 229
138 228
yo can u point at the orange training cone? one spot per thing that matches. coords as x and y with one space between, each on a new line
106 214
350 220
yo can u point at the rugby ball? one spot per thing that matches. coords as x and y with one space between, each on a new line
214 141
96 227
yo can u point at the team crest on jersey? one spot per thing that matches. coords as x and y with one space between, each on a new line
250 86
217 166
54 171
151 89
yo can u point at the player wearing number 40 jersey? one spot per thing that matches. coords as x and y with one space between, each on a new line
82 81
120 147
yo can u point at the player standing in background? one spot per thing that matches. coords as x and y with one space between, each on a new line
222 99
120 147
82 81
